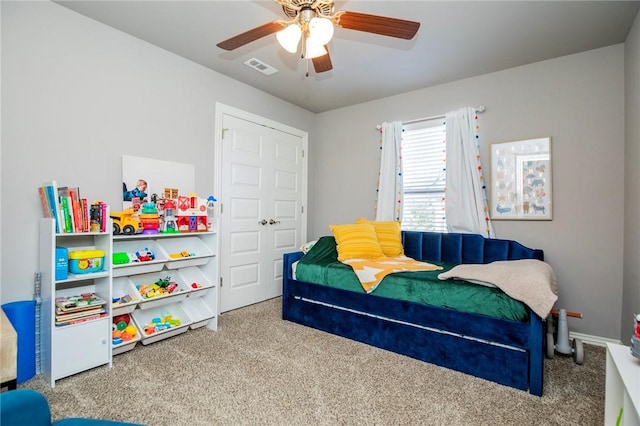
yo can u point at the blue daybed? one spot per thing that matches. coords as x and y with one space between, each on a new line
504 351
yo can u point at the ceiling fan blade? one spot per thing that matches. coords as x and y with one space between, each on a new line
382 25
249 36
322 63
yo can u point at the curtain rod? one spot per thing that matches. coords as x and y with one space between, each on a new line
480 108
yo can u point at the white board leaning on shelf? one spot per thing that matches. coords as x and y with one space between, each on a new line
150 176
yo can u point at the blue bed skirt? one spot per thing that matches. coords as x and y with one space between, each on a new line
503 351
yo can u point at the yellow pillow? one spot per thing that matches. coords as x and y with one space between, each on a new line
388 234
356 241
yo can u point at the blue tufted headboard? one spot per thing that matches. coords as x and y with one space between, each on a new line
463 248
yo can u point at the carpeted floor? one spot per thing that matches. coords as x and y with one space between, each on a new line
258 369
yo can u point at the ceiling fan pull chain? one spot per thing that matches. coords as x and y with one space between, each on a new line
304 54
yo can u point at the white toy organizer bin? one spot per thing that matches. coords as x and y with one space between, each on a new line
176 311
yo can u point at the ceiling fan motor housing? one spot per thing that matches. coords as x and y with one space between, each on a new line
292 8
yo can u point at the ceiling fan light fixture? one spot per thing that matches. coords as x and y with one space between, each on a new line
313 49
289 37
321 29
313 22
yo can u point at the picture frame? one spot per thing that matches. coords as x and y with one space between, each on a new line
521 180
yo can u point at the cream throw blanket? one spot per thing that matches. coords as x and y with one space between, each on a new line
530 281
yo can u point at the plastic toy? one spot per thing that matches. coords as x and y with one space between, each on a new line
120 258
159 324
180 255
162 287
150 219
122 317
169 224
131 330
192 214
211 204
163 282
562 335
121 329
635 338
85 261
145 255
126 222
115 301
171 193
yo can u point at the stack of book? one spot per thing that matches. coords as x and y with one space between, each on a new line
71 212
77 309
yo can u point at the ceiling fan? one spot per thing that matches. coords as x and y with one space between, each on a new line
313 22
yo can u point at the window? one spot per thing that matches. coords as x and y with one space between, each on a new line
424 176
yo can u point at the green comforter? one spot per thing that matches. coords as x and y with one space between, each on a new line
321 266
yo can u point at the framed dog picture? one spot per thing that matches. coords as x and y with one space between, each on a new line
521 180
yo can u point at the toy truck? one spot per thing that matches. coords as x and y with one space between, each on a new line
126 222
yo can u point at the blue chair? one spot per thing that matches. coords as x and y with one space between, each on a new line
27 407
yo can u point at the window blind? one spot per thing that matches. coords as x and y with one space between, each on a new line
424 176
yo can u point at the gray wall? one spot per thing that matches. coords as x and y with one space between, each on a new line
578 100
76 96
631 288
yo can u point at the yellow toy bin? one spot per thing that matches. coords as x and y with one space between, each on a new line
86 261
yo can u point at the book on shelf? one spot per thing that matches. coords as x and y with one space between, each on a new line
46 208
105 217
98 216
67 212
79 302
64 322
71 212
61 315
75 208
80 308
84 205
50 190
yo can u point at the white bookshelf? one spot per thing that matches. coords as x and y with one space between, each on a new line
70 349
622 386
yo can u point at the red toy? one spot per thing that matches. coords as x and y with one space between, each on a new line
192 214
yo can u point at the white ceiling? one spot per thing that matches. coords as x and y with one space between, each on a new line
457 39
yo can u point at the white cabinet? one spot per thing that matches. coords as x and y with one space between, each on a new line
84 342
188 261
622 387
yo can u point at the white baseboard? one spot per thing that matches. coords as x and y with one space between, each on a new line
593 340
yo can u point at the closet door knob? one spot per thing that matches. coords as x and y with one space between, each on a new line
263 222
273 222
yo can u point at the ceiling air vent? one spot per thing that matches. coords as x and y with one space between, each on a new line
258 65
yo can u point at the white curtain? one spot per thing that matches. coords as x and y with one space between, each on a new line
466 204
389 202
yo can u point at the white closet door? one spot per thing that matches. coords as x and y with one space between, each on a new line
261 219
